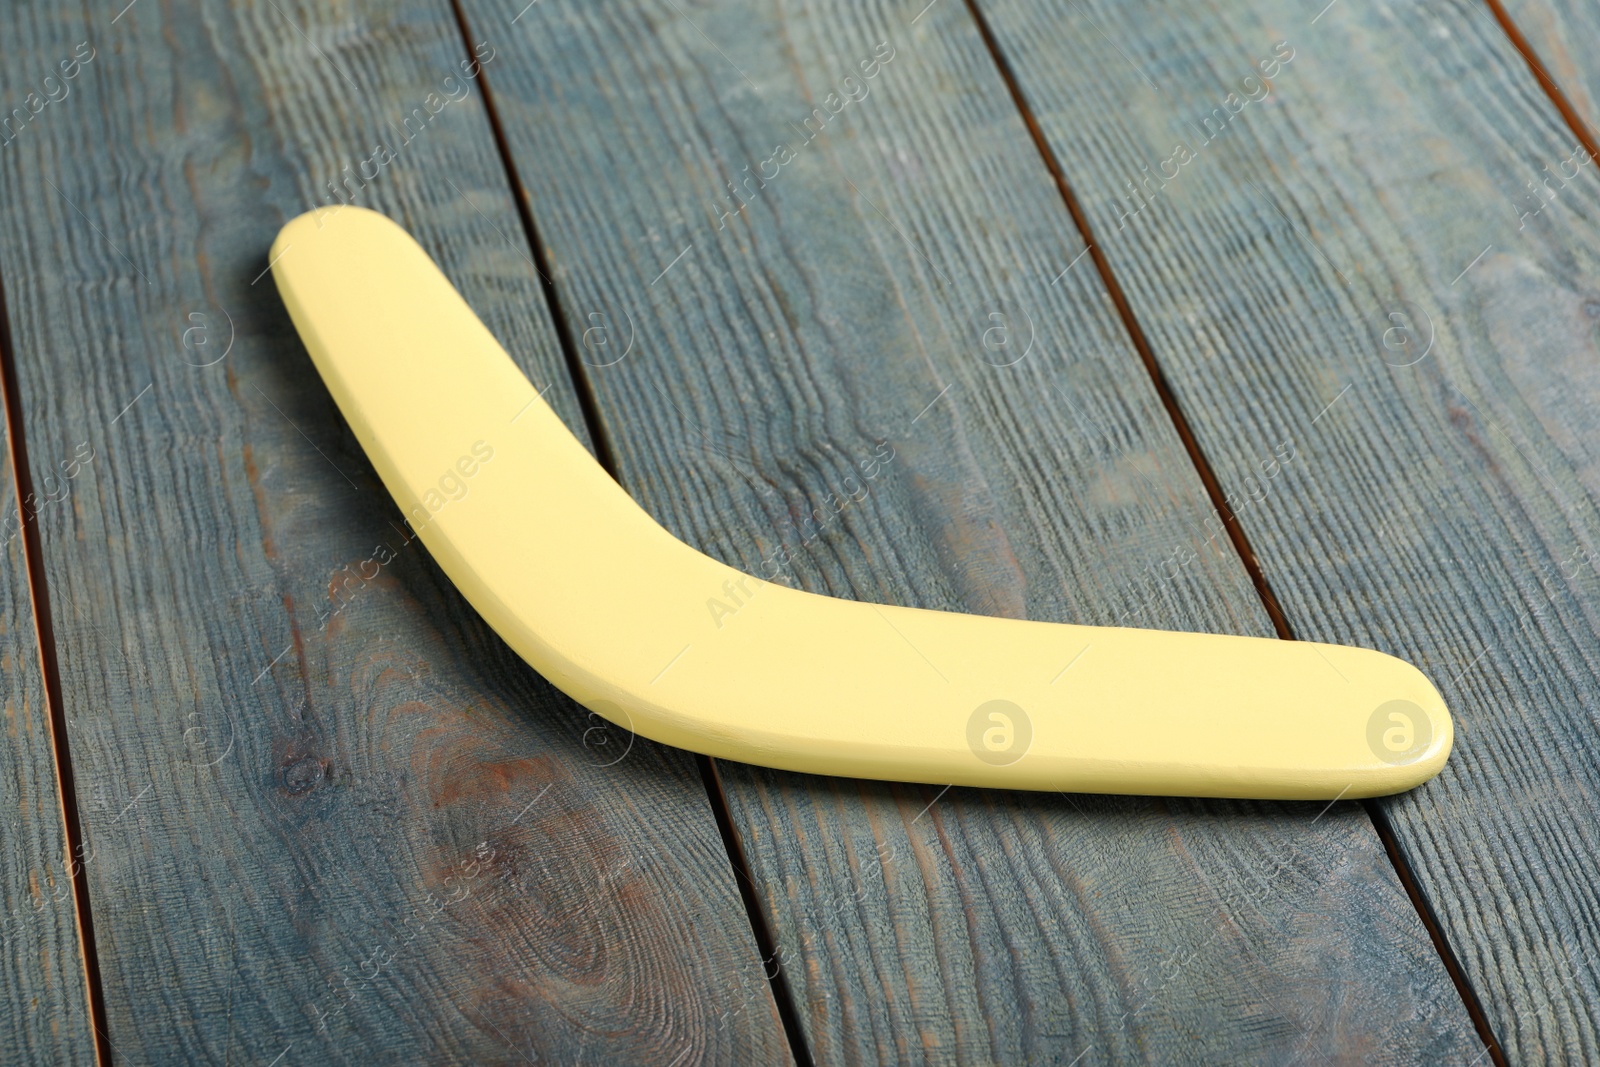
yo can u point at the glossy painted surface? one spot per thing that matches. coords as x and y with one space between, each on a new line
666 641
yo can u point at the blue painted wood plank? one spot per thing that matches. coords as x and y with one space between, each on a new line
332 817
841 331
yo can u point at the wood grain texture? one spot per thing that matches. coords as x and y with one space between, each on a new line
44 1016
332 818
836 312
1348 258
1562 36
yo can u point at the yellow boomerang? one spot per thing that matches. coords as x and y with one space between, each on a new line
620 615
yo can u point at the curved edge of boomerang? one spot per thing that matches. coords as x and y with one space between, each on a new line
663 640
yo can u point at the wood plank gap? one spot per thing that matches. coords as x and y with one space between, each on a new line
766 944
1202 465
1580 129
1447 955
44 633
569 350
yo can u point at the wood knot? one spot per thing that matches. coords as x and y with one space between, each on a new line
303 775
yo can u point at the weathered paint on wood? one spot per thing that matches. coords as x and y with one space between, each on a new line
1561 36
332 818
798 361
44 1014
1350 259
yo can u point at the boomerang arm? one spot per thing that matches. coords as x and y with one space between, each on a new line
625 618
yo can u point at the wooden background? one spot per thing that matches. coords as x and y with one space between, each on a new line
1331 374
